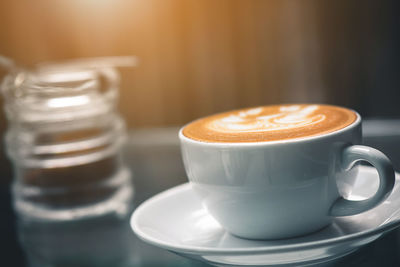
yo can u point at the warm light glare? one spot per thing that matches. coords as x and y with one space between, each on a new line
58 77
68 101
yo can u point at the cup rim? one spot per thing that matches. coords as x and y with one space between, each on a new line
354 124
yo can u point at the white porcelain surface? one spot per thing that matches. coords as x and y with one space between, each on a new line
176 220
243 183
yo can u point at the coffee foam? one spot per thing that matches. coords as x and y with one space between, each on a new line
252 121
270 123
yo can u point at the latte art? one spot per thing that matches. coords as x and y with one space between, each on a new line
251 120
270 123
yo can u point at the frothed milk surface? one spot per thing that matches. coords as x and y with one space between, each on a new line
270 123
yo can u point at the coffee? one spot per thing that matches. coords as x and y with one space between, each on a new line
270 123
270 190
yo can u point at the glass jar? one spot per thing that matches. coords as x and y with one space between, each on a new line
71 189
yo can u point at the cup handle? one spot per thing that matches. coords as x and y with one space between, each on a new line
352 154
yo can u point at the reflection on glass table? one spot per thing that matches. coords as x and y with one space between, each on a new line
153 157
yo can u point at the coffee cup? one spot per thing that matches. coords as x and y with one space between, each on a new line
272 172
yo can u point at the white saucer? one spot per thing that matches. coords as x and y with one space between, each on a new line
175 220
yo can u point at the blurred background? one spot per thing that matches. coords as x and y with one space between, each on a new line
199 57
202 57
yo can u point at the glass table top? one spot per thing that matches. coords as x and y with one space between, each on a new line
153 155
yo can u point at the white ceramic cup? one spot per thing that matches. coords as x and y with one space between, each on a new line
282 189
